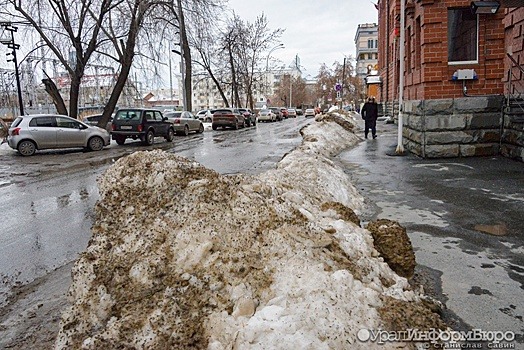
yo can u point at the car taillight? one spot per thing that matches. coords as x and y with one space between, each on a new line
15 132
176 121
113 127
139 128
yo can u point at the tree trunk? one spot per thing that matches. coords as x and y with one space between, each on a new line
74 94
52 90
219 87
128 55
187 58
234 85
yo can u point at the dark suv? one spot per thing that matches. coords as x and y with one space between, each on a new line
141 123
250 117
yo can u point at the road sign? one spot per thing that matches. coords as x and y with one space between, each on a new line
338 87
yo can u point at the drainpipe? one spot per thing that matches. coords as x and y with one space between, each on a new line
400 146
386 61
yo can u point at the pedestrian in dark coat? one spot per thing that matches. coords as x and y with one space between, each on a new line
370 114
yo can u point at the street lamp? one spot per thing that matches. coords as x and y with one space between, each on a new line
182 72
279 46
11 44
485 7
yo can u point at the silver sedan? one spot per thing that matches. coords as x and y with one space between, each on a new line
185 122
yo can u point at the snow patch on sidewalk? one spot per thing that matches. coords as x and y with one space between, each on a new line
183 257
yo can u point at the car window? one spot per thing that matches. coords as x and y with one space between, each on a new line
94 118
49 122
149 115
128 115
176 115
67 123
17 121
158 116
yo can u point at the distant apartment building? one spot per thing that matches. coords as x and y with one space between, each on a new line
207 96
366 43
463 75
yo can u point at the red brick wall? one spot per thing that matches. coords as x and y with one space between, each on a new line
427 73
514 36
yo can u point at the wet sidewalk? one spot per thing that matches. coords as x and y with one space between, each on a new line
465 219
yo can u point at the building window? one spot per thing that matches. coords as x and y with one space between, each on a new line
462 36
370 43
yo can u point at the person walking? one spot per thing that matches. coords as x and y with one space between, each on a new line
370 114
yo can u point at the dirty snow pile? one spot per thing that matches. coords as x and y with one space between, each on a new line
183 257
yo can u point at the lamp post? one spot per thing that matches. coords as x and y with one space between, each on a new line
182 69
11 44
279 46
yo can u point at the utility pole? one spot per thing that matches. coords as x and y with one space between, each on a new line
342 84
12 45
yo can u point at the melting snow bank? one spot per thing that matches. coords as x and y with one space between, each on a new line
183 257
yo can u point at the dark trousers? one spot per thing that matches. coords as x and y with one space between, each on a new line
370 124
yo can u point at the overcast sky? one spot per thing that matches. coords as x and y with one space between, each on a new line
321 31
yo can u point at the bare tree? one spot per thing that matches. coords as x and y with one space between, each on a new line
251 40
205 43
327 78
66 27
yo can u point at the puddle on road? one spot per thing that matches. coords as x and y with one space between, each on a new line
495 230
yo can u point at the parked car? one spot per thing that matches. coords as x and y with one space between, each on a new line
29 133
93 120
185 122
266 115
141 123
277 112
292 113
284 112
310 112
228 117
300 111
250 117
205 115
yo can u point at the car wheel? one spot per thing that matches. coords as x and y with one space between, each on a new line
26 148
235 126
150 138
120 140
201 129
170 135
214 127
95 143
186 130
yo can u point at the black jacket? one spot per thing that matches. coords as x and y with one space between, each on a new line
369 111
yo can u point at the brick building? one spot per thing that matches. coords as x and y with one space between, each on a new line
456 76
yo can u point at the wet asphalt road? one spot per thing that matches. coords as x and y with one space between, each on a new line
47 200
464 217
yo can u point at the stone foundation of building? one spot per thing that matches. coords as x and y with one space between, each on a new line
513 131
457 127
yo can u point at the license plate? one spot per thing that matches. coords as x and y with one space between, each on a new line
126 127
